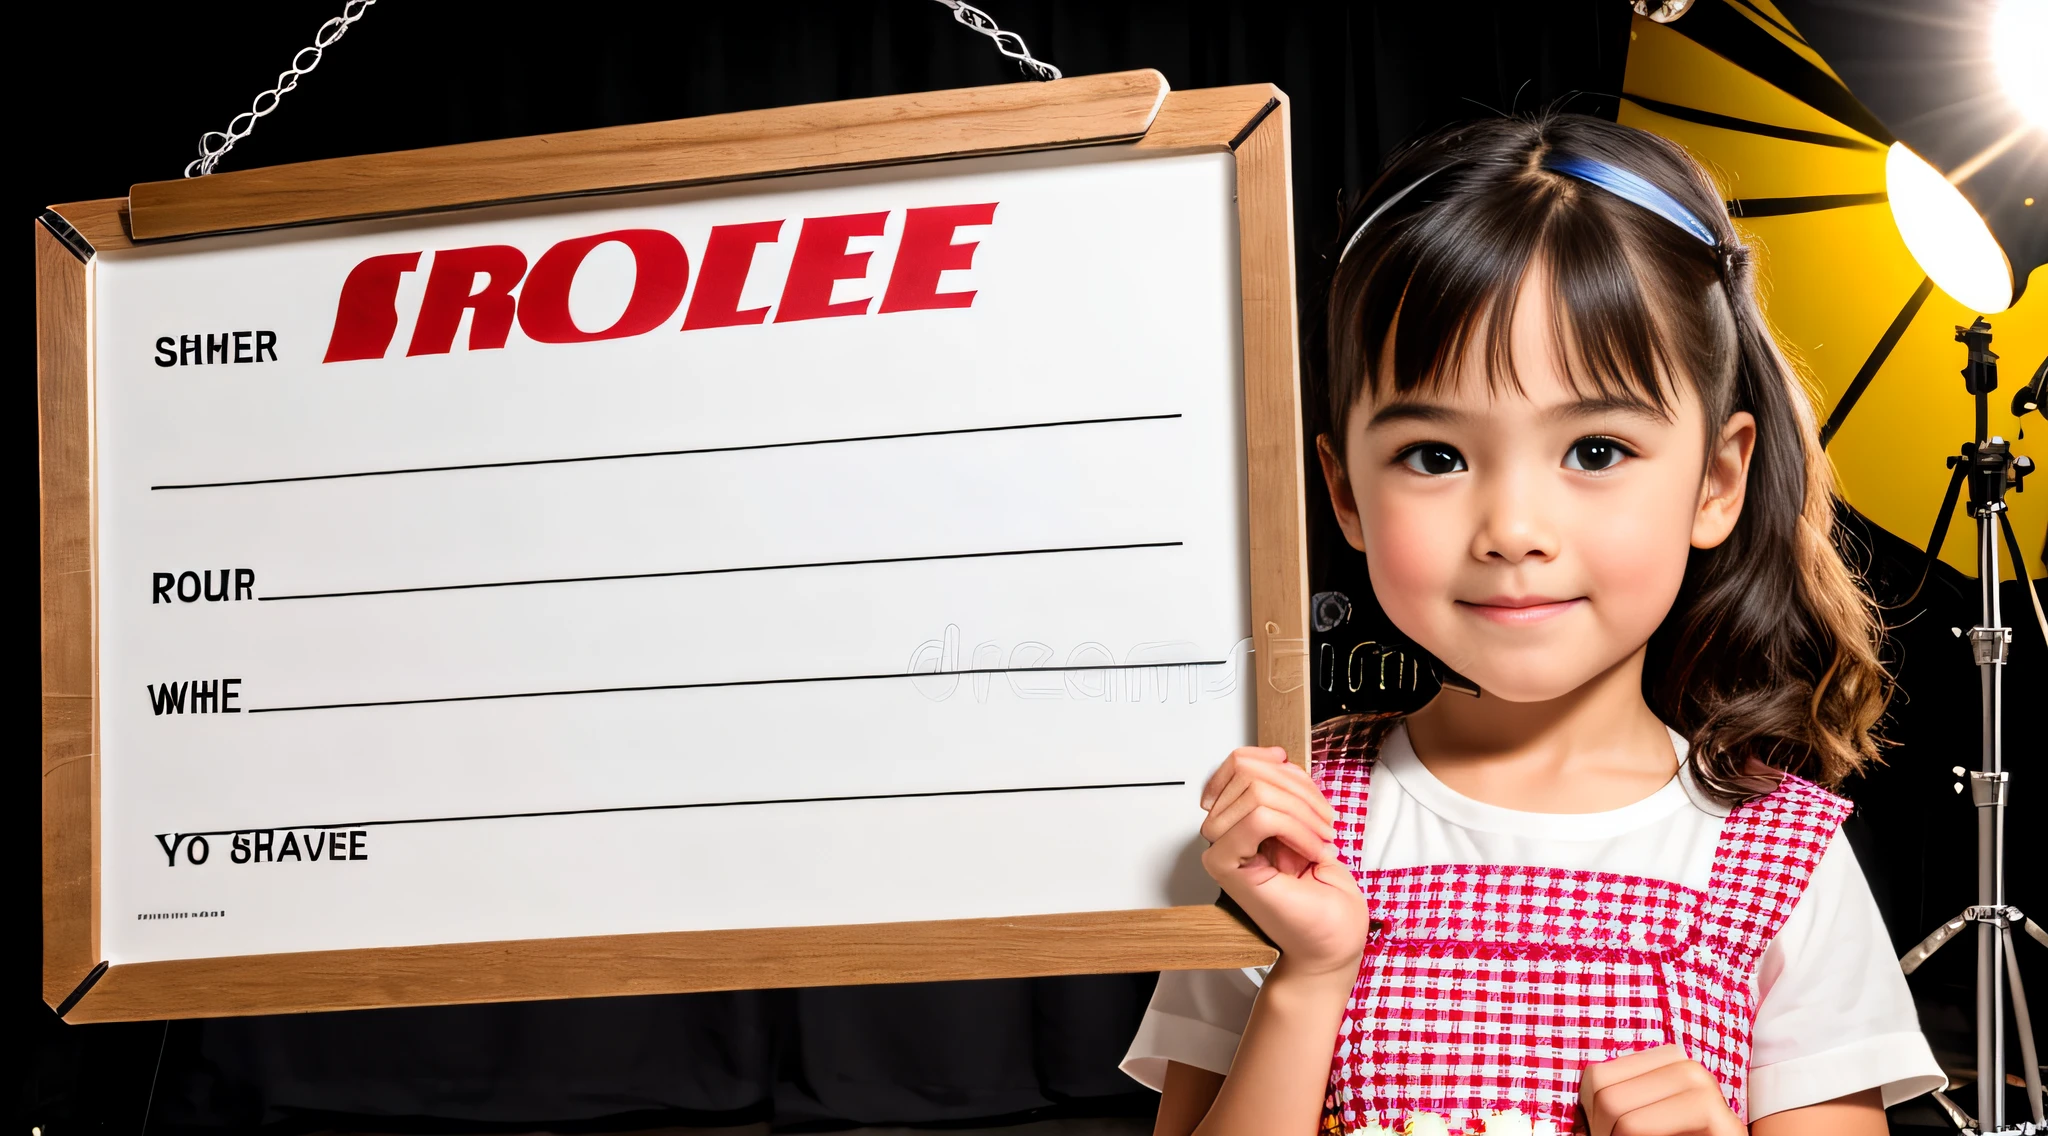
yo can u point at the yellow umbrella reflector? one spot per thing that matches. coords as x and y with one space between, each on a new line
1848 301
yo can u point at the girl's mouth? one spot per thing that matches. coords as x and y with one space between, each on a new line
1519 610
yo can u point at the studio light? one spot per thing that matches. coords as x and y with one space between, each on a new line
1944 233
1962 89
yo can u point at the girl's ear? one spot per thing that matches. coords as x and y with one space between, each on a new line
1726 481
1342 500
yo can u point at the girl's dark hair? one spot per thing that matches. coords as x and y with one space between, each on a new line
1770 653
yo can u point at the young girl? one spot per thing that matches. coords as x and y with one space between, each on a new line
1610 893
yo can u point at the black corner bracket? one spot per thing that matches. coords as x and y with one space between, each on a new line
81 990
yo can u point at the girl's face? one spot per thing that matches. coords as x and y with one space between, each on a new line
1532 539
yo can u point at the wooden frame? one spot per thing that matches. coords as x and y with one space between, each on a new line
1131 108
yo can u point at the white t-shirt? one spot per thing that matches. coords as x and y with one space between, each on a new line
1834 1018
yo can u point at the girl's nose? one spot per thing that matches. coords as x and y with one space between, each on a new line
1513 527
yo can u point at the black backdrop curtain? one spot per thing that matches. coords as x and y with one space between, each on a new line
125 100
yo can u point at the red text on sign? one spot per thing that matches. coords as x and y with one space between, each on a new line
494 285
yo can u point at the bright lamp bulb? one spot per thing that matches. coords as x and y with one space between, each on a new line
1953 245
2019 41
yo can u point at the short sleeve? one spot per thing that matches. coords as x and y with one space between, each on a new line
1195 1018
1834 1015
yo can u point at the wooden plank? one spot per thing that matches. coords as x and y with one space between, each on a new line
1273 425
723 147
1089 943
1208 119
64 425
1187 120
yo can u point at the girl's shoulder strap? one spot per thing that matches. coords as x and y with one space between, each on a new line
1341 755
1766 855
1350 737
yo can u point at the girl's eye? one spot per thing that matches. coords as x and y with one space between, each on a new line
1595 454
1433 458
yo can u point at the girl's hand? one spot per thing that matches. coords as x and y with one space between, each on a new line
1656 1092
1269 830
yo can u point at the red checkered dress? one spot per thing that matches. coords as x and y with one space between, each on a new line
1488 988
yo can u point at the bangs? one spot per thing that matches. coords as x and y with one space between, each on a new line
1439 285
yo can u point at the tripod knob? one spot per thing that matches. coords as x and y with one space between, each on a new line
1980 373
2021 467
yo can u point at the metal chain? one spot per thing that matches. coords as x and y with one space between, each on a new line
215 144
1009 43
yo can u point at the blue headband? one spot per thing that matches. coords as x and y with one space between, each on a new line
1634 190
1593 171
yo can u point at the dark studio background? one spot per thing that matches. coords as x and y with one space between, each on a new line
1361 78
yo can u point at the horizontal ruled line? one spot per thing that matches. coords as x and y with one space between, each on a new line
695 805
730 683
670 453
726 571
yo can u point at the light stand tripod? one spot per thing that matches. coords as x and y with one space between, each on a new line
1991 469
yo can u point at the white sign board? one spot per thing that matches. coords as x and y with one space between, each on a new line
820 613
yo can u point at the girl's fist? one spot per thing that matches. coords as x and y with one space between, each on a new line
1270 833
1656 1092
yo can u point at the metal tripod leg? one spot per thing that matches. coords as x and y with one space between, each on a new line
1956 1115
1911 960
2030 1061
2000 920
